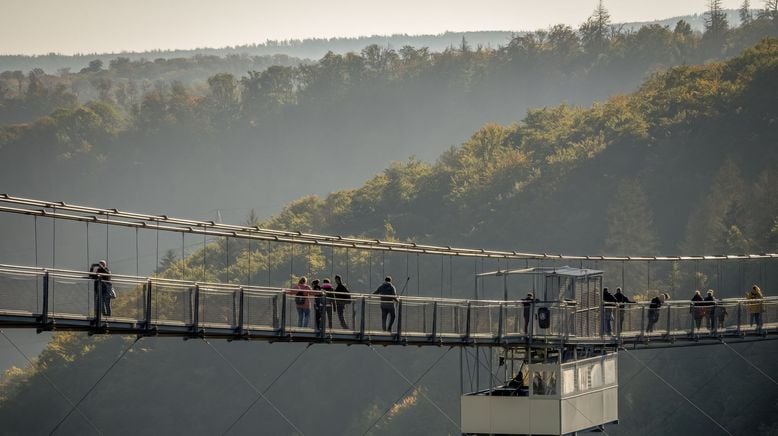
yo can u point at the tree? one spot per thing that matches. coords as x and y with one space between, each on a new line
595 32
746 15
222 88
19 76
93 67
682 28
716 23
770 10
168 259
630 222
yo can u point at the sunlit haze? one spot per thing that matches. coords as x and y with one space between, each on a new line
98 26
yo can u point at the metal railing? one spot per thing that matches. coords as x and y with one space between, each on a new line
151 303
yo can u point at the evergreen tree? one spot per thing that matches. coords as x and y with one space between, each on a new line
595 31
167 261
630 222
716 24
746 16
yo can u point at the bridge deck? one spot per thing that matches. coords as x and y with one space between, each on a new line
65 300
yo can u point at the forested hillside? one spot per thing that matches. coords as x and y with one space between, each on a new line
331 123
687 162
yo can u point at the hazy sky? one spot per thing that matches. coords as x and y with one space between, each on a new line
88 26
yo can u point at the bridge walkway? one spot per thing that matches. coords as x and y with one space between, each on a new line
56 299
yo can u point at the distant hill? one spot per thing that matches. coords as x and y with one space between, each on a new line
694 144
313 48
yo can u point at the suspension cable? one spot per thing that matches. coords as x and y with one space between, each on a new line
677 391
412 386
251 385
51 382
56 427
267 388
751 363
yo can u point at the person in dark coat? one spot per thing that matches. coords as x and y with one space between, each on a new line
698 309
388 295
101 274
622 300
318 304
608 302
653 311
710 309
328 300
342 298
527 308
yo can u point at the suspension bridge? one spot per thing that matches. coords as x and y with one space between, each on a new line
565 323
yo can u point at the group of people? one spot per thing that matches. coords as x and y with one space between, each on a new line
616 300
101 274
708 307
701 308
324 298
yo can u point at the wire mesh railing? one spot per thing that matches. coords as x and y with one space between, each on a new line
154 301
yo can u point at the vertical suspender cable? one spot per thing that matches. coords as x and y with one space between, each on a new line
267 260
383 265
308 262
156 265
53 239
370 270
622 275
407 272
137 273
332 262
250 250
442 273
418 276
88 263
183 258
291 265
648 279
35 237
204 252
227 258
107 227
35 250
348 262
53 258
451 276
137 254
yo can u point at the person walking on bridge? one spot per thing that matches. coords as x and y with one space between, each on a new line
101 274
710 310
653 311
328 299
302 299
755 307
527 309
388 296
697 309
342 298
608 303
622 300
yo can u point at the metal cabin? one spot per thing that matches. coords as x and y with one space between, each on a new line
564 385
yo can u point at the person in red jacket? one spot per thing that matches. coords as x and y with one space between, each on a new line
302 293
